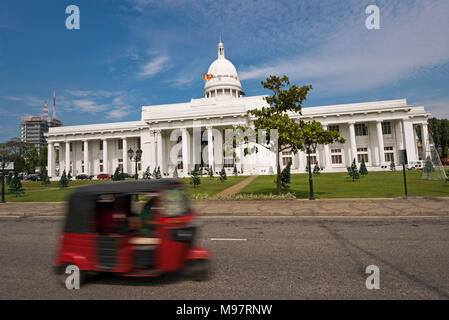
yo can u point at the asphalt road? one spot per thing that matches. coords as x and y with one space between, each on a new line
282 258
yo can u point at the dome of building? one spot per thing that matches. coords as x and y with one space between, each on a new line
225 80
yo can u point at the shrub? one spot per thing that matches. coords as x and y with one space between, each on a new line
175 173
15 187
195 177
353 172
64 180
363 170
223 176
285 176
147 174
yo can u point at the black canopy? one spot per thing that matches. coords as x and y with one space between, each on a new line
82 200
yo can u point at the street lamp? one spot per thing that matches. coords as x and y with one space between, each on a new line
137 158
310 145
4 159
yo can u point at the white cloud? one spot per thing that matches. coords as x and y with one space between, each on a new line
153 67
413 37
118 113
437 108
90 106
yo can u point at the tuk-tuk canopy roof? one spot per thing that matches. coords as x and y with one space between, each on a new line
82 200
128 187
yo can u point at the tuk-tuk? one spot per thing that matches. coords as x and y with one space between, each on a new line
107 230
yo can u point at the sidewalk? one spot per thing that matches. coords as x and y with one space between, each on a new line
400 207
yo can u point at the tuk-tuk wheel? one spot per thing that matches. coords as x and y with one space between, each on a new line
199 270
62 276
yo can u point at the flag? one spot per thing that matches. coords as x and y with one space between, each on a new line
207 76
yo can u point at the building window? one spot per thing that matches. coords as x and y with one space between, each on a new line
360 129
286 157
229 162
82 146
334 127
101 165
336 156
101 145
362 154
386 127
120 165
120 144
313 160
389 154
71 147
180 166
138 143
82 165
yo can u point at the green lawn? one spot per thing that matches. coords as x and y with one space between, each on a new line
35 191
337 185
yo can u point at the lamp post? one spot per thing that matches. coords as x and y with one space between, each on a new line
137 158
310 145
4 159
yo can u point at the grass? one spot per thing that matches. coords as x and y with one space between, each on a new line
338 185
37 192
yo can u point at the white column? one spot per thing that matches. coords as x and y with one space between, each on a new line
125 155
61 155
210 148
185 151
159 150
51 160
105 156
67 157
425 141
353 143
86 157
380 143
327 154
409 139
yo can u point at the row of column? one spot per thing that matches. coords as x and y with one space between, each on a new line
51 161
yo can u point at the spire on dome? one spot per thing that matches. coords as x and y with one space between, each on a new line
221 54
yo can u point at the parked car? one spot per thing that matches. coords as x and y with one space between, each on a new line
83 177
31 177
104 176
415 164
127 175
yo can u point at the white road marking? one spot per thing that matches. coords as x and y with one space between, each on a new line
226 239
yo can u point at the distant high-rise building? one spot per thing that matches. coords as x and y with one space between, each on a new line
33 128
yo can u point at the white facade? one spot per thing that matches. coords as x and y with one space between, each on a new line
177 135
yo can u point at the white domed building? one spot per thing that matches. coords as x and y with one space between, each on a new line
183 135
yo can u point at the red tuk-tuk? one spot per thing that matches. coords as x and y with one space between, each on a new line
107 230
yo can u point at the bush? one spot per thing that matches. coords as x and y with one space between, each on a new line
392 166
15 187
158 173
118 175
211 172
353 172
223 176
285 176
235 172
363 170
195 177
64 180
147 174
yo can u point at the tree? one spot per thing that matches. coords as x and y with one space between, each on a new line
43 156
15 186
223 176
18 152
285 176
44 176
392 166
9 178
147 174
363 170
235 172
195 178
32 160
353 171
285 99
158 173
175 173
64 180
118 175
317 169
155 172
69 176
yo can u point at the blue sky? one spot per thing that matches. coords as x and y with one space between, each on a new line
131 53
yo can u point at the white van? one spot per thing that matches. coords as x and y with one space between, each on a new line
415 164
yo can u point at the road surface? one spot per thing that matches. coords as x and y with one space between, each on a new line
256 258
